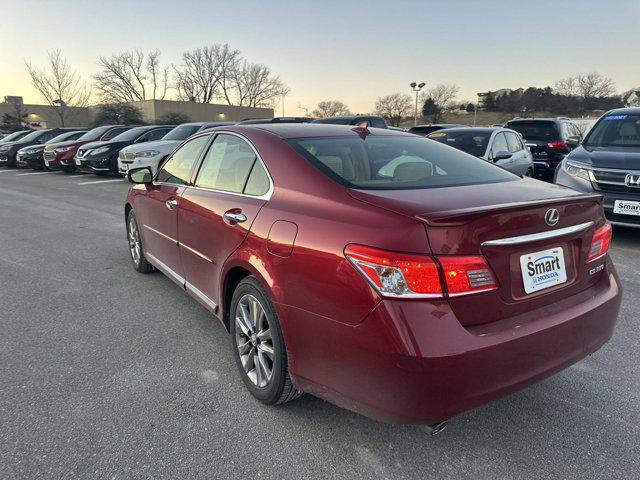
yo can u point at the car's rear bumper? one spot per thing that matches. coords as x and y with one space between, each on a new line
413 362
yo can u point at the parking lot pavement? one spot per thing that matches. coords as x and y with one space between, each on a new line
106 373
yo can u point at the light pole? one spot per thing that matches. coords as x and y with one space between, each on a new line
63 105
416 88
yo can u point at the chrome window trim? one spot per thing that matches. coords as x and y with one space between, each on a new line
534 237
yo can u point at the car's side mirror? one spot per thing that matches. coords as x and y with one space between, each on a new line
141 175
501 156
573 141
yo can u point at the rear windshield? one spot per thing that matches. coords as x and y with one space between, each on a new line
395 162
474 143
533 130
615 131
182 132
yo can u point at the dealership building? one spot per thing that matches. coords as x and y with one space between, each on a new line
45 116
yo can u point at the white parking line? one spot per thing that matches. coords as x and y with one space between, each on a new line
7 171
33 173
101 181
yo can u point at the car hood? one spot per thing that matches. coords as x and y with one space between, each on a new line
16 145
163 146
68 143
625 158
94 145
452 204
39 146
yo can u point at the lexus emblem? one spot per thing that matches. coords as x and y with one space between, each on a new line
632 180
551 217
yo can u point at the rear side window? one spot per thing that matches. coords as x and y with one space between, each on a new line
258 181
536 130
392 162
227 164
176 170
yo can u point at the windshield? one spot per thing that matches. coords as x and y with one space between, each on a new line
474 143
615 131
94 134
129 135
533 130
64 136
14 136
181 132
33 135
395 162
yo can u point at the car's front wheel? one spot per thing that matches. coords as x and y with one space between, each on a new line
140 262
258 344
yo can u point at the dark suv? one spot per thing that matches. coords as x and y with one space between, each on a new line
426 130
549 140
9 150
371 120
608 162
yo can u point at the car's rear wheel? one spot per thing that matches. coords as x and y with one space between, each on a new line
140 262
258 344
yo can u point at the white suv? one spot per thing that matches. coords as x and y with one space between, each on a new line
150 154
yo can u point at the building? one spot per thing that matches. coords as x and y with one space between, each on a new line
46 116
633 99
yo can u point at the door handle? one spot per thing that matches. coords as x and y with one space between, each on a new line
234 217
171 204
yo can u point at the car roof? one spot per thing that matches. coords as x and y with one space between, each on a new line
624 111
345 117
301 130
472 129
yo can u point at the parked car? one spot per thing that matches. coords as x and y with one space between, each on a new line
9 150
101 158
410 296
12 137
370 120
152 153
254 121
608 163
59 156
501 146
425 130
549 140
31 157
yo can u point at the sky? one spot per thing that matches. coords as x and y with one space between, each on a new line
352 51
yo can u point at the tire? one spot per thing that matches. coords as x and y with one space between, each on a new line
136 252
529 173
250 347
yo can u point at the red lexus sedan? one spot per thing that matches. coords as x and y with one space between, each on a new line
387 273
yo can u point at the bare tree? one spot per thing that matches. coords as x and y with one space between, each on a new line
587 85
59 85
131 76
208 73
330 108
394 107
256 86
440 100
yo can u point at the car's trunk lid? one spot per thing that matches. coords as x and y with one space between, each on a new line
469 220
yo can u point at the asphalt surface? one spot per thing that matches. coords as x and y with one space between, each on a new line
107 373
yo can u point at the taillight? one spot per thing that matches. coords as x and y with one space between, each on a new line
559 146
397 274
600 243
465 275
407 275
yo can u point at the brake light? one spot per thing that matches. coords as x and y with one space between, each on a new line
465 275
409 275
559 146
397 274
600 243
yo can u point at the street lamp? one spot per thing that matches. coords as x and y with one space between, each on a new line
416 88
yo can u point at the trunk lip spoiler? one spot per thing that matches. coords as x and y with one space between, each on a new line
534 237
465 215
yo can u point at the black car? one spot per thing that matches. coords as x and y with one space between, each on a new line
549 140
12 137
254 121
32 157
101 158
608 163
9 150
370 120
425 130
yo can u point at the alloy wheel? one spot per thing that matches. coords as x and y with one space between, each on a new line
134 241
254 340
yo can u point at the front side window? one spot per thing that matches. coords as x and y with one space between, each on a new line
513 142
615 131
392 162
227 164
176 170
499 145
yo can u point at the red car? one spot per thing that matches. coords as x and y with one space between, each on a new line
59 156
387 273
